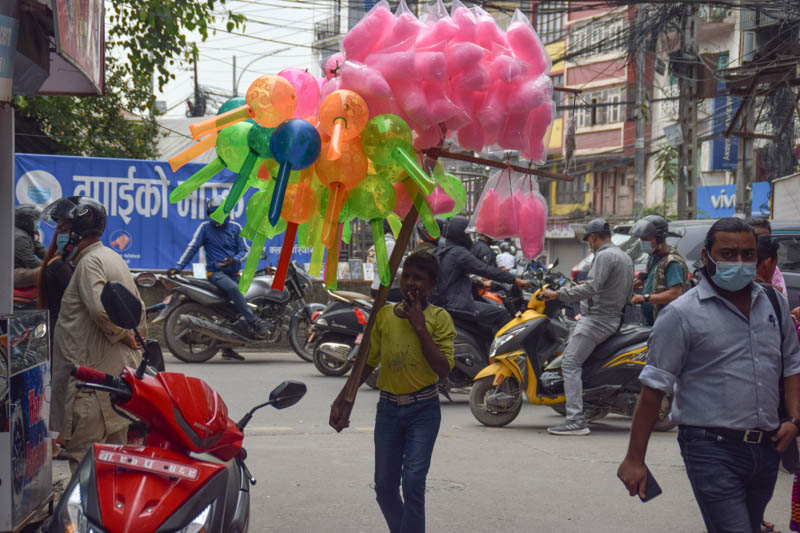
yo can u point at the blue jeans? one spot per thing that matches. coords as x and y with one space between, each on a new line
231 288
732 480
404 439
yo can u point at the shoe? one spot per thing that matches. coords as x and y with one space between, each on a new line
227 353
570 428
260 328
241 326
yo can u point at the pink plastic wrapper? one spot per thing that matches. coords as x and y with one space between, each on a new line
537 128
367 35
410 96
530 94
404 32
487 33
430 66
439 202
462 56
364 80
526 44
392 65
440 107
532 216
466 22
497 212
507 69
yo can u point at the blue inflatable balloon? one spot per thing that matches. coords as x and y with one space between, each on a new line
295 144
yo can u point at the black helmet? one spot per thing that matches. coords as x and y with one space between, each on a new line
651 226
455 230
213 203
25 217
597 225
88 217
58 209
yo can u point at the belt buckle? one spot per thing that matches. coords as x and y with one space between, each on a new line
404 399
753 436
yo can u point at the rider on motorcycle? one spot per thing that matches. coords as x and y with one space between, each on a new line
607 288
454 288
667 275
225 249
28 251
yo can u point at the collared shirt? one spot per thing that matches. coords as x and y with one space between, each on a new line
609 284
724 366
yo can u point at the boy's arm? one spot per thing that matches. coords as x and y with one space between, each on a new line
438 361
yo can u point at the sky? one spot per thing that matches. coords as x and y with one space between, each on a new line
289 22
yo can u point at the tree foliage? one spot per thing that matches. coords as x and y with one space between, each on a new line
151 35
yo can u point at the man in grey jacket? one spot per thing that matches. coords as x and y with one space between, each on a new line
607 288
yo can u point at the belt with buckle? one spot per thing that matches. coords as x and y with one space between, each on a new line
427 393
750 436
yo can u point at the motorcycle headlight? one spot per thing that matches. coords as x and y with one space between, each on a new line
503 339
72 513
320 322
200 523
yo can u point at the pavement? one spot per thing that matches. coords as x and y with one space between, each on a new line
512 479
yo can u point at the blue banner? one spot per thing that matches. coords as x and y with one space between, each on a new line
719 201
143 227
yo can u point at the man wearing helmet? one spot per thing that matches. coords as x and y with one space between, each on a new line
28 251
506 259
667 275
483 251
607 289
84 335
225 249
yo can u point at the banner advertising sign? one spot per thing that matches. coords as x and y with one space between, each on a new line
8 51
719 201
143 227
79 37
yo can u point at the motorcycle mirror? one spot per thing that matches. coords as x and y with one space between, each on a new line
145 280
287 394
122 306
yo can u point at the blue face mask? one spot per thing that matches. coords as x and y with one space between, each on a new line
647 247
37 224
733 275
62 240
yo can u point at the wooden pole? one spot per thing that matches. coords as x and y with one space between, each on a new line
438 152
354 379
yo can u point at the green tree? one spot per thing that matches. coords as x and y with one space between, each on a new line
666 171
150 36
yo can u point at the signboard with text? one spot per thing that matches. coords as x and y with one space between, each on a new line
719 201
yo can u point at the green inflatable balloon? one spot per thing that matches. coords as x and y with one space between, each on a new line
373 200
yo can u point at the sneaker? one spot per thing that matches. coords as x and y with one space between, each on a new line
570 428
261 328
227 353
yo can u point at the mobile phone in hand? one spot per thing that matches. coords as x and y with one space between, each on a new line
651 489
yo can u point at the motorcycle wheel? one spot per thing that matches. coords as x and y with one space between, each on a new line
201 348
329 366
490 416
299 330
664 423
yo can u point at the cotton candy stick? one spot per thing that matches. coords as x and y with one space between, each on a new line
193 151
196 180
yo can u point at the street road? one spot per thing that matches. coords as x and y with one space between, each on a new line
512 479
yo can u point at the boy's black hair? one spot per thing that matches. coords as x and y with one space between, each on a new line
424 261
759 222
727 225
767 248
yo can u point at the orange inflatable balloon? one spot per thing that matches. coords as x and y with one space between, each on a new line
343 115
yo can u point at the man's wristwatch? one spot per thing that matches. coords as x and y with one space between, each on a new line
796 422
646 298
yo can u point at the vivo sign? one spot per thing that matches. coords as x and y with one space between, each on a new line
718 201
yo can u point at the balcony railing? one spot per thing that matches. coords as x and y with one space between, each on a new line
713 14
326 29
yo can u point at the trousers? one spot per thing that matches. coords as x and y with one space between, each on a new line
231 287
88 427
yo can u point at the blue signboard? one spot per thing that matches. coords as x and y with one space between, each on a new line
143 227
8 45
724 150
719 201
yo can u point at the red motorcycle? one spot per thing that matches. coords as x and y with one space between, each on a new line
189 475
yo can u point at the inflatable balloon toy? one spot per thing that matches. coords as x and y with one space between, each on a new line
387 141
298 207
306 89
257 230
270 100
343 115
372 200
295 144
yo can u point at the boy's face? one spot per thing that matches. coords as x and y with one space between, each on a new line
417 282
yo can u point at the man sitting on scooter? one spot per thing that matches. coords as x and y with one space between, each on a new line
454 289
225 249
607 288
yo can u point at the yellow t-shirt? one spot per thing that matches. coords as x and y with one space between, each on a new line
395 345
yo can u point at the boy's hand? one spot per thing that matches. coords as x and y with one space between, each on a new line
340 413
413 311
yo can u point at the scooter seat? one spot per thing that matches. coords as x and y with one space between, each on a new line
626 336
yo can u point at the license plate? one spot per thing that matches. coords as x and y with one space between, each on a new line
148 464
359 337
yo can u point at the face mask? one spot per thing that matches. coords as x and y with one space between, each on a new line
647 247
37 224
733 275
62 240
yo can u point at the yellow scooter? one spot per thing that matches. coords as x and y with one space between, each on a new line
526 357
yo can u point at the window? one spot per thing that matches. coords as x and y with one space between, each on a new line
601 107
598 37
570 192
549 21
788 253
558 81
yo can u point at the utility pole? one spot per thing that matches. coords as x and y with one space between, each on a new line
687 117
196 80
745 167
639 161
234 78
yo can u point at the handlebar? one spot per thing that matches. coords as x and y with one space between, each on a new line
94 379
90 375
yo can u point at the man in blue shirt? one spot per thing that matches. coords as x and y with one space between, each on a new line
225 250
667 275
722 349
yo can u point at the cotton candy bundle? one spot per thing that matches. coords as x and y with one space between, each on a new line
498 209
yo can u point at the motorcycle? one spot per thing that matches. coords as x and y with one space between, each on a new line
189 475
338 331
199 320
525 358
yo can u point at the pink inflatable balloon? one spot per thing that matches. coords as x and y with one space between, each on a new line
333 84
392 65
306 89
526 45
440 202
332 65
533 219
462 56
530 94
367 35
507 69
364 80
430 66
428 138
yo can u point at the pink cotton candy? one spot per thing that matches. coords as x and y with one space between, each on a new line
530 94
404 202
487 34
430 66
364 80
367 35
471 137
507 69
410 96
512 135
527 46
440 107
492 114
435 36
462 56
458 121
507 218
392 65
475 79
537 128
305 88
488 213
382 106
467 24
440 202
403 35
332 65
532 222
